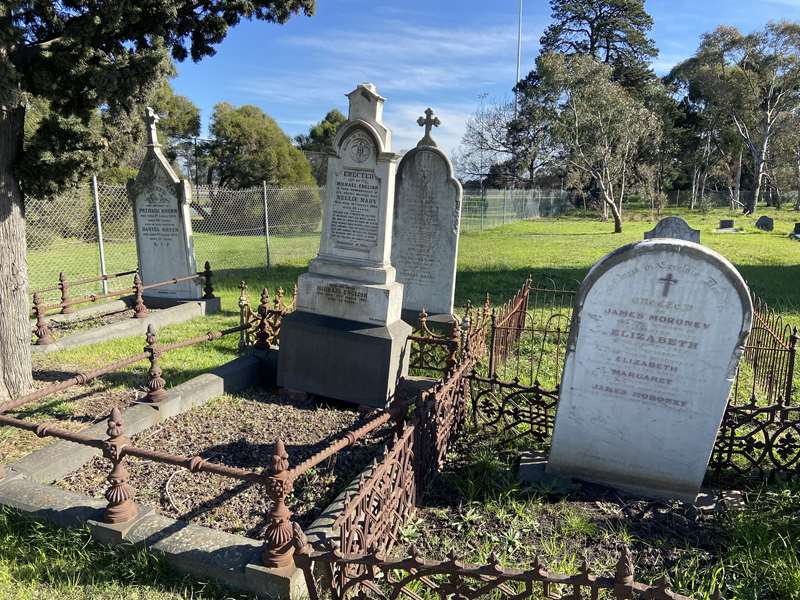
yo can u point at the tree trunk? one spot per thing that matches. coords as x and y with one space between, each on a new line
758 180
609 204
739 179
797 197
15 328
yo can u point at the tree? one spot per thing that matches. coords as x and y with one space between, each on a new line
179 122
755 80
614 32
81 56
320 137
249 148
600 125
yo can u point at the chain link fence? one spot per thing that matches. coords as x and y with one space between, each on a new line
494 207
233 229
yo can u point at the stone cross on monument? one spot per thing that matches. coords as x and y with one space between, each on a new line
428 122
151 119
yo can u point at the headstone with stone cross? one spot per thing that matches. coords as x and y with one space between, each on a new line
162 218
673 228
658 330
346 339
765 223
427 216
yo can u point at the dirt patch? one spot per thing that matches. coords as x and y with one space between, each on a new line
240 431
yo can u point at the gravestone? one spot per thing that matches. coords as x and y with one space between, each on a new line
658 330
346 339
673 228
163 223
796 234
427 214
765 223
726 224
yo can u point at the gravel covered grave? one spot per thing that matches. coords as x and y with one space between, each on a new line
91 322
240 431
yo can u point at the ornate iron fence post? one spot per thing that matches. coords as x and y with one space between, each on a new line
155 383
42 331
139 308
262 335
453 346
492 332
64 287
278 537
623 576
208 288
791 366
120 493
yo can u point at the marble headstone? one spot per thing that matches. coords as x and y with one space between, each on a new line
346 340
427 214
658 330
163 223
673 228
765 223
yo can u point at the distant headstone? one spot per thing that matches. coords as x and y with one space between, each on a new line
673 228
796 234
427 213
163 222
765 223
346 339
658 330
726 224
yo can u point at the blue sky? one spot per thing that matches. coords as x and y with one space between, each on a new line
437 53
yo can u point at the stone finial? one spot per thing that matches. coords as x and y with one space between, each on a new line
428 122
150 120
366 103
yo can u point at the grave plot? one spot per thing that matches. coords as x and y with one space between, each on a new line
61 324
241 431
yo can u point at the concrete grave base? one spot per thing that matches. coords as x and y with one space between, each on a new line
533 470
346 360
729 230
95 310
178 313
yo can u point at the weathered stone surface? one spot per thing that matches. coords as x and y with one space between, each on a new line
346 360
658 331
346 339
163 222
765 223
673 228
427 215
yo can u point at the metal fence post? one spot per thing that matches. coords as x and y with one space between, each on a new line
99 223
266 221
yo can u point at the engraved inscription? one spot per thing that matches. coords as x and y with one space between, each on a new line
344 294
158 219
354 218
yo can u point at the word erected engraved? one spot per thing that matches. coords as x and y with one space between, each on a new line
158 218
344 294
354 222
658 332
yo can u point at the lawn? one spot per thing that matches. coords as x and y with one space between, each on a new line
496 260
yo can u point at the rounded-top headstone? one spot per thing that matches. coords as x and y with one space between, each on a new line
658 330
765 223
673 228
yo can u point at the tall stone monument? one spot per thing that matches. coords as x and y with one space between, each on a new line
427 215
346 339
163 223
657 333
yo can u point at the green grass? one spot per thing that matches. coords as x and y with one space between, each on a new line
40 562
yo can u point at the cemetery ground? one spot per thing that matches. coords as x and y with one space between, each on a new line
476 505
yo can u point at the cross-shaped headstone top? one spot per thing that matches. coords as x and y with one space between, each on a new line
150 120
428 122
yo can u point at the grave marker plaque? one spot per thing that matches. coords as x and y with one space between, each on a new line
658 330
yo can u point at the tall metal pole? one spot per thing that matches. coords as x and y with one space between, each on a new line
99 223
266 221
516 90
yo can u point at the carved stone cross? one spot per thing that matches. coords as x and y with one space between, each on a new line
150 120
428 122
668 281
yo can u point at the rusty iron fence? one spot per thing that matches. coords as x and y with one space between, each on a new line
374 574
41 329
